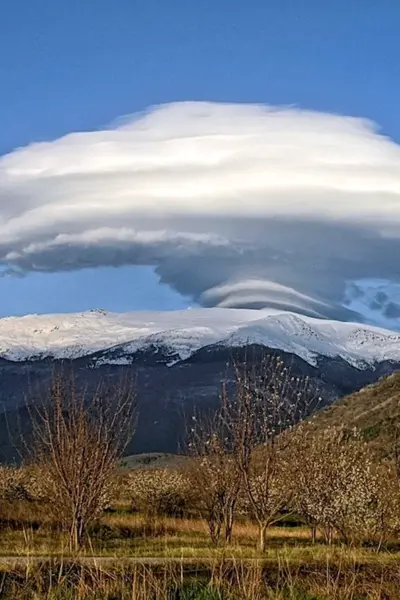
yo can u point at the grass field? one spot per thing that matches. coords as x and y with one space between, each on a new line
172 559
131 554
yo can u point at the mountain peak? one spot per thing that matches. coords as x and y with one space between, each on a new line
69 336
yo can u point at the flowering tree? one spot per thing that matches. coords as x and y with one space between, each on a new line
214 474
341 488
268 401
158 492
12 483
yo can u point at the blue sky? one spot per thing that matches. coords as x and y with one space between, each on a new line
70 66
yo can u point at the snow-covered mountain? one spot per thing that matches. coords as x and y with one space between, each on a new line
114 337
376 300
179 360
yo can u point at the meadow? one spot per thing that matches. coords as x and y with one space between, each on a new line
265 503
143 555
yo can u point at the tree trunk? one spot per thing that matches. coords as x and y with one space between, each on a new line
262 537
214 527
229 518
76 535
73 539
328 534
313 534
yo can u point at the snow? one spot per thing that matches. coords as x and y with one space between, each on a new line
377 300
184 332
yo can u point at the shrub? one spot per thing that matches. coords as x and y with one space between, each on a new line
12 483
342 488
157 492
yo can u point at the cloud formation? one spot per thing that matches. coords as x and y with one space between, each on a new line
234 205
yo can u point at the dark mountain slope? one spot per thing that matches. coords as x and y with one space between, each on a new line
167 395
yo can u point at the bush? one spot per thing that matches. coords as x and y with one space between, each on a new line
342 488
13 484
157 492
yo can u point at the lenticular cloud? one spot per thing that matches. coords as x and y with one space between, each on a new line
234 205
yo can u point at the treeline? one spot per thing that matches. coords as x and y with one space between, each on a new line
262 457
259 457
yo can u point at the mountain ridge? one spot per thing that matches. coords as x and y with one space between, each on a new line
182 333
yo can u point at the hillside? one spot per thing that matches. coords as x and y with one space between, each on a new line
375 410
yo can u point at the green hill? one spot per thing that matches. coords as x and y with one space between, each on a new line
375 410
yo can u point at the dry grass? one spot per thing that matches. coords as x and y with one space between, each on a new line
292 568
127 535
220 580
373 410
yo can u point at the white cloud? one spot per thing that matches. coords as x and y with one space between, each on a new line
258 293
244 191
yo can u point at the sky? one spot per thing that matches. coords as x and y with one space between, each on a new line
80 66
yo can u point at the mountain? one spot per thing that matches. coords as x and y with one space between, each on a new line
178 360
114 338
377 301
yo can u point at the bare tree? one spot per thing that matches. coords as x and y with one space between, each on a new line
214 474
78 439
267 402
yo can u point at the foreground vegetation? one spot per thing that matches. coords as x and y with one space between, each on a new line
266 504
128 556
221 580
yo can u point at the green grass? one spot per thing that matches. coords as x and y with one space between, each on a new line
187 565
221 581
153 460
198 591
129 536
